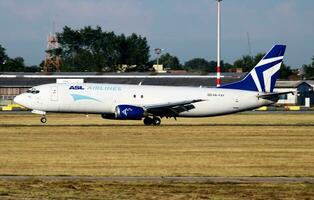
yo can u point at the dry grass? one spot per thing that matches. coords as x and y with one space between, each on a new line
198 149
38 189
218 146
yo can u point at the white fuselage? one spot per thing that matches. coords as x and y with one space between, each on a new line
103 98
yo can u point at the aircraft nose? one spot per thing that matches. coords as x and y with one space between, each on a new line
18 99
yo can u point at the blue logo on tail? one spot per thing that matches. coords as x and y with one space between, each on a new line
264 75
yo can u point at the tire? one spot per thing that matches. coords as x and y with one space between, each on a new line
148 121
156 121
43 120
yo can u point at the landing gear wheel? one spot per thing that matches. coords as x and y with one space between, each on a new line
43 119
148 121
156 121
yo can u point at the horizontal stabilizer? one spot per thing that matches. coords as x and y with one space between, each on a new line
273 95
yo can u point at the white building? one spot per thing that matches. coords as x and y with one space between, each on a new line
303 93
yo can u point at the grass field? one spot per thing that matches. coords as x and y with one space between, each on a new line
38 189
235 145
194 147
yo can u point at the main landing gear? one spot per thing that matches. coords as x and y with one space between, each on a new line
43 119
156 121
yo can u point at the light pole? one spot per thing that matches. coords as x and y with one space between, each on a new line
218 81
158 52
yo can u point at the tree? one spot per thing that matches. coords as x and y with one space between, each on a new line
202 65
15 65
285 71
169 61
197 64
246 63
92 49
133 50
257 58
32 68
309 70
8 64
3 58
226 67
212 67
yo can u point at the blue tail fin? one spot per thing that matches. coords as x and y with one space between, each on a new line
264 75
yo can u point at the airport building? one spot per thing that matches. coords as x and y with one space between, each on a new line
12 84
303 89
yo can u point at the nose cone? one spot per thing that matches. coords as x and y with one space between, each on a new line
19 100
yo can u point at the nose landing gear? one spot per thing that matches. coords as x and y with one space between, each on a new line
156 121
43 119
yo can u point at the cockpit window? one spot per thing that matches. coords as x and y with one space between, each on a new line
33 91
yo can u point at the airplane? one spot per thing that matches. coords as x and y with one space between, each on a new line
152 103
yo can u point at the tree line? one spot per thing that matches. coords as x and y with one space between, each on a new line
246 63
8 64
308 70
93 50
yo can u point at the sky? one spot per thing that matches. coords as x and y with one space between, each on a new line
184 28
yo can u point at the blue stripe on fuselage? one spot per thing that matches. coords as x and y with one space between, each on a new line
79 97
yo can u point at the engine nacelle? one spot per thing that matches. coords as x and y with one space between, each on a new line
129 112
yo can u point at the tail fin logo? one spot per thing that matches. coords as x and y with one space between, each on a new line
264 75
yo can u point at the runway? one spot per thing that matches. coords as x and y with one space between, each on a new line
160 179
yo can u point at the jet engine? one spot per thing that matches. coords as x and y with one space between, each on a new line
126 112
129 112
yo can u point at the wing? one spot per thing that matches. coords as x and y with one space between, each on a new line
171 109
